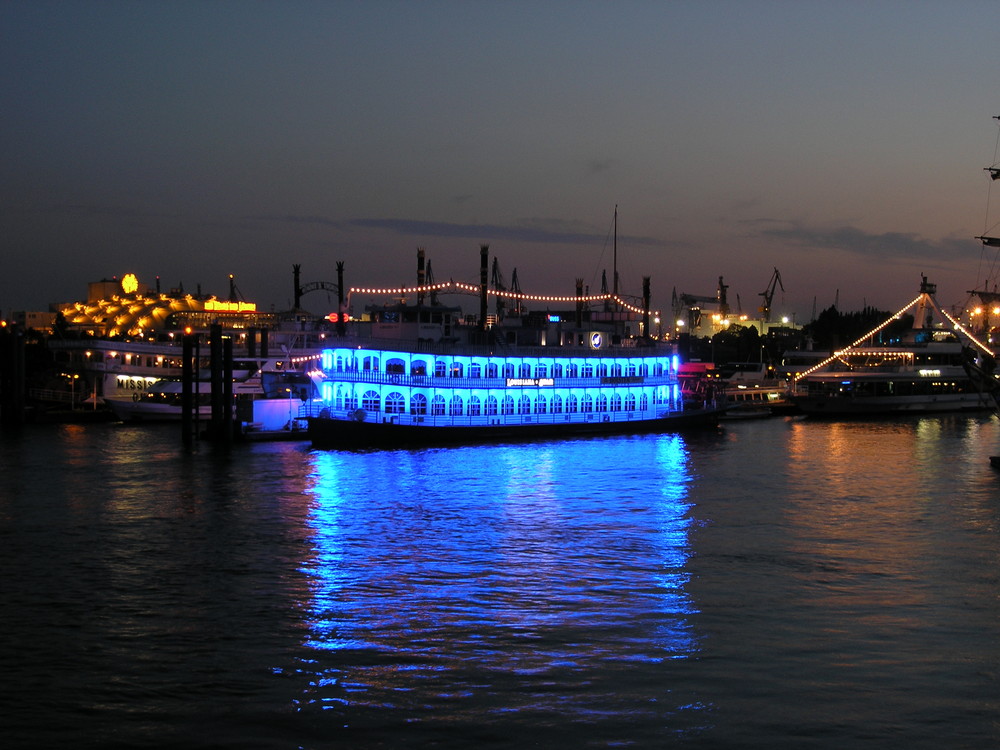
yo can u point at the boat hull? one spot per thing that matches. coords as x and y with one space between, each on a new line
329 432
835 407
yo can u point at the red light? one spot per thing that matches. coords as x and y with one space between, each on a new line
333 317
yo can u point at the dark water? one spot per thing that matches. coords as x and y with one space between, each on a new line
775 584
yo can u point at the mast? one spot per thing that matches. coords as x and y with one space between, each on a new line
614 268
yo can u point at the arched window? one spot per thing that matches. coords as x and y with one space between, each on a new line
658 370
571 404
588 370
602 370
475 406
370 363
644 370
616 370
524 371
440 368
491 370
339 402
508 405
418 403
437 406
508 370
557 404
541 371
630 369
418 368
370 401
350 402
395 403
644 402
571 370
524 404
491 406
587 403
475 370
630 402
616 402
456 369
457 406
557 370
541 405
395 366
602 402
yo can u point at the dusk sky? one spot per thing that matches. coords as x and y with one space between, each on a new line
841 142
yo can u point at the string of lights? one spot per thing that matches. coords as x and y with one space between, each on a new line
846 350
459 286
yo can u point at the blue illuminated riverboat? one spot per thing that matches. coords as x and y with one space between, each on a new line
425 373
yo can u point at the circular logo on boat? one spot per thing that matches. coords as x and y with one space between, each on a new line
596 340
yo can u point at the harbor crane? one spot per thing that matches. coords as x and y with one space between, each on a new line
768 295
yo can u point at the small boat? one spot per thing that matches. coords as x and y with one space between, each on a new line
935 366
751 392
424 373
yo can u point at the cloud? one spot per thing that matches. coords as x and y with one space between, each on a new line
887 245
538 230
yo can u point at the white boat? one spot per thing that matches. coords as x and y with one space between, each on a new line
937 366
752 392
424 373
266 398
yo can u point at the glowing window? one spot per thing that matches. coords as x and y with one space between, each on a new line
630 402
395 403
370 364
475 406
418 368
396 366
437 406
616 403
571 404
456 369
508 405
418 403
370 401
524 404
457 406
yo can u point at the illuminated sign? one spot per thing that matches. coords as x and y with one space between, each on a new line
528 382
596 340
214 305
930 373
130 283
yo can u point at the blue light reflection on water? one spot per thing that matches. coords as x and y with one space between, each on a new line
498 578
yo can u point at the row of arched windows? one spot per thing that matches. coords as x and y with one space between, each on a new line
475 406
